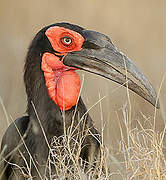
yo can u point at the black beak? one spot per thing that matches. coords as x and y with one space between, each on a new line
100 56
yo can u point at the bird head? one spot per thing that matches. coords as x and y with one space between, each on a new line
58 50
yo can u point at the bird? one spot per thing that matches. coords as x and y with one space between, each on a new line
53 89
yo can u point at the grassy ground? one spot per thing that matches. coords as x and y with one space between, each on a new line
141 153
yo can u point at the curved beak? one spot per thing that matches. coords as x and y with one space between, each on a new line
100 56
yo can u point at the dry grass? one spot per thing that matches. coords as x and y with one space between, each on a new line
65 158
140 154
143 151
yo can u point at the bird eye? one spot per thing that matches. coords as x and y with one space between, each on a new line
66 40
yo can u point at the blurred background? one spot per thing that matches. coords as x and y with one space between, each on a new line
137 28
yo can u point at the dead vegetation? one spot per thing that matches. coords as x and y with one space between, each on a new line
140 154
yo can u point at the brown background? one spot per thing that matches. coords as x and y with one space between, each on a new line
138 28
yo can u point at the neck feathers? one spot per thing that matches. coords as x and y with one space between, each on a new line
49 113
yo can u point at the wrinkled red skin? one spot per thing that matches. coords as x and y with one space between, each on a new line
62 82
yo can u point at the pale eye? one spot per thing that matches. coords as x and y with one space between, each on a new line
66 40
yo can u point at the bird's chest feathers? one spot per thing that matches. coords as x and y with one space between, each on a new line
62 82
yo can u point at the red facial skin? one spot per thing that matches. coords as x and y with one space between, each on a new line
62 82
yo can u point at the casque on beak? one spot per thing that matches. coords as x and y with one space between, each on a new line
100 56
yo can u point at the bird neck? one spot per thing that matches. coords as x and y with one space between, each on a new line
41 108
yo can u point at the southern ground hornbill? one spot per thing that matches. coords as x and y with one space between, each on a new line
53 88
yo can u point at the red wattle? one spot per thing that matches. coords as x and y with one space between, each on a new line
67 89
62 82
